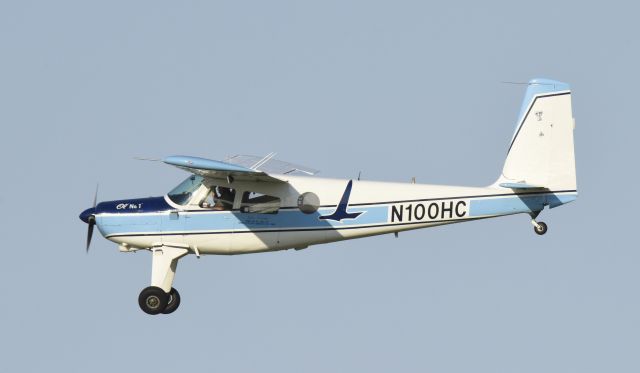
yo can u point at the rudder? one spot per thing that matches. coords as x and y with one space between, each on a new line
541 153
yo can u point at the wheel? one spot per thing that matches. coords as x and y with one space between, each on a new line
541 228
174 301
153 300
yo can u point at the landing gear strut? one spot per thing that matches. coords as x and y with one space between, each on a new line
160 297
539 227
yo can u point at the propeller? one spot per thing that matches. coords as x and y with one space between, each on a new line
89 217
92 222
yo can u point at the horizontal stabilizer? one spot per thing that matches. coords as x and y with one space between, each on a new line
520 186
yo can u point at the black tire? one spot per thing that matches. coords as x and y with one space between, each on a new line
541 228
153 300
174 301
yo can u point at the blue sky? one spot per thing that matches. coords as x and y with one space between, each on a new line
392 89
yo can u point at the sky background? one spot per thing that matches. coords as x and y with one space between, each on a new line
394 89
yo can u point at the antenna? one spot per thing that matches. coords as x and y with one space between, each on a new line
525 83
147 159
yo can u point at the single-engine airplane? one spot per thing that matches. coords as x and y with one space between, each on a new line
249 204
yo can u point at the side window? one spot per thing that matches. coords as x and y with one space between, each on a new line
183 193
219 198
258 203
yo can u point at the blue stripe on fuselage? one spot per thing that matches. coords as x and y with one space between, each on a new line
185 221
517 204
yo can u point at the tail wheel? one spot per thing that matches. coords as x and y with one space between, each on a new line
153 300
541 228
174 301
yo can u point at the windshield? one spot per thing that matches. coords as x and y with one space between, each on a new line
182 193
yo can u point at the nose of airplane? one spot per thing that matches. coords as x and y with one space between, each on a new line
86 214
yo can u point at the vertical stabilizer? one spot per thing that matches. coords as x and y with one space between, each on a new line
541 152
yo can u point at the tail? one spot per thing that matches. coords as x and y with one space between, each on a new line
541 153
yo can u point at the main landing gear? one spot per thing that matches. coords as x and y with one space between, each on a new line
160 297
153 300
539 227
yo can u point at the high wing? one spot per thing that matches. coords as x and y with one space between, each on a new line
239 167
270 165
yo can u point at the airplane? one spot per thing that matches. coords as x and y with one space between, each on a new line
247 204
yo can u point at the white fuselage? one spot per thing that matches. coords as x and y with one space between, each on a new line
384 207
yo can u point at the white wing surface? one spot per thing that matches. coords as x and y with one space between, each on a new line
239 167
270 165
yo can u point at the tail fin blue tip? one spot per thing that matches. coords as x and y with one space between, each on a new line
540 86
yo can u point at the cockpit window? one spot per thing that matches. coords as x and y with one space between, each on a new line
182 193
219 198
259 203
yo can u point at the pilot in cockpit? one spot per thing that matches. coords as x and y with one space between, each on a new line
219 199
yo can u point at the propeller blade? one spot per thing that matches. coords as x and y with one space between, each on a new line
90 234
92 222
95 196
92 219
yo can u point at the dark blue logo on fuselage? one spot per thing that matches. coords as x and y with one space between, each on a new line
341 209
